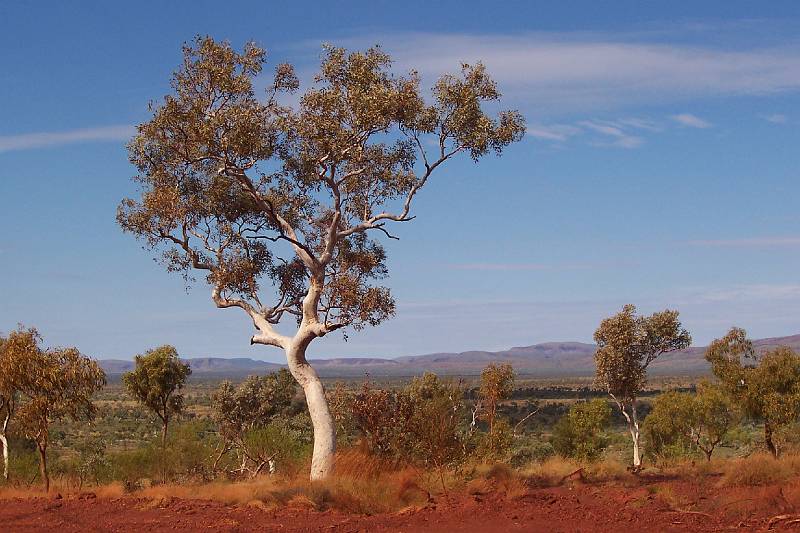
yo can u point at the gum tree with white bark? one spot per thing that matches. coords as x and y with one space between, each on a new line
279 206
53 384
8 398
16 351
626 345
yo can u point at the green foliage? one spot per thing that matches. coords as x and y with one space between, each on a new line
628 343
766 387
668 426
133 467
280 441
189 451
580 433
53 384
24 465
683 423
529 449
91 465
259 422
375 416
254 403
423 423
494 445
159 373
497 383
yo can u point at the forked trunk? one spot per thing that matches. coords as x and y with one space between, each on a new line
322 459
633 428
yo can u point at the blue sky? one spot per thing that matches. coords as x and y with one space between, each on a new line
660 168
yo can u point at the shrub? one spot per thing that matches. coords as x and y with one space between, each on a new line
579 434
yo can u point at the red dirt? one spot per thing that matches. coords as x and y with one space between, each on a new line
649 506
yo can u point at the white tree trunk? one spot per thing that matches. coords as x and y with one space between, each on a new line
322 460
4 441
637 460
633 428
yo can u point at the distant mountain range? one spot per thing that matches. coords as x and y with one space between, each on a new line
550 359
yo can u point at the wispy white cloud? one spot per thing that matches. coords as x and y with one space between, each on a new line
28 141
775 118
690 121
588 72
748 242
619 136
621 133
553 132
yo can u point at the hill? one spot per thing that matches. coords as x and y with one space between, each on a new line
549 359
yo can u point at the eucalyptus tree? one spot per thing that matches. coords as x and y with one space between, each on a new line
16 351
766 386
626 345
701 420
497 384
9 387
155 382
54 384
277 205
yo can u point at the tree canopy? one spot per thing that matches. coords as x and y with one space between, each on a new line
254 193
154 382
54 384
681 420
627 344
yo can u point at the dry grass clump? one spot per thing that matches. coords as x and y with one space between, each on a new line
696 470
760 469
362 485
222 491
110 491
10 492
608 469
550 472
556 470
497 478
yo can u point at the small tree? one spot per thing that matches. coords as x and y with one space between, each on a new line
56 384
154 383
701 420
766 387
377 416
12 351
626 345
579 433
497 384
275 205
244 415
432 433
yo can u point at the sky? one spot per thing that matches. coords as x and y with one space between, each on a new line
660 168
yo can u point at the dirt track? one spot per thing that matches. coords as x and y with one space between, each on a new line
569 508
